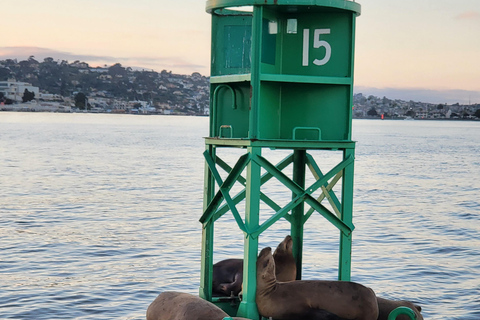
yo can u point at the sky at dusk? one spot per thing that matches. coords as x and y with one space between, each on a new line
425 50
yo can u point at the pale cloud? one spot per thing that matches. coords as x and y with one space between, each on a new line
468 15
24 52
176 64
422 95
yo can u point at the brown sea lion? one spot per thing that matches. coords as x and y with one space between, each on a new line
386 306
292 300
285 265
228 274
170 305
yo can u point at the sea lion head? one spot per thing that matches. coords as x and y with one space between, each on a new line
285 264
285 247
266 279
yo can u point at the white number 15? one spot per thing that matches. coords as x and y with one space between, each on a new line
317 43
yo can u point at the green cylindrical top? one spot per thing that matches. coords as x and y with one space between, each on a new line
282 69
339 4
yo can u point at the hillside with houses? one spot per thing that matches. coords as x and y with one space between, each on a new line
110 88
62 86
384 108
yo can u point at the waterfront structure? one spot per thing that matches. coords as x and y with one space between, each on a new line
281 79
14 90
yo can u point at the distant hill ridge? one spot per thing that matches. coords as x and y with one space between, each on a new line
115 82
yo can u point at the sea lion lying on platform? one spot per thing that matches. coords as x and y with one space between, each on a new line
385 306
228 274
294 300
170 305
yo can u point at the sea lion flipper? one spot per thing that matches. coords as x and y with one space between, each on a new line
233 288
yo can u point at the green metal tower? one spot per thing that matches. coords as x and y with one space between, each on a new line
281 78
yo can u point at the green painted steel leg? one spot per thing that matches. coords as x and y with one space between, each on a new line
207 235
248 306
344 270
207 262
299 162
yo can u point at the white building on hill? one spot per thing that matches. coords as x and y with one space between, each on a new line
15 90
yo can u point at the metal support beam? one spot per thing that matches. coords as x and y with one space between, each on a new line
248 306
299 161
344 265
206 266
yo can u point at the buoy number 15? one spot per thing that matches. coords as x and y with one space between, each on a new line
317 43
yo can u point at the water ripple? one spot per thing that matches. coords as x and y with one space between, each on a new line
102 215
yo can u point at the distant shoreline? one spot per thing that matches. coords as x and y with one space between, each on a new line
416 119
3 109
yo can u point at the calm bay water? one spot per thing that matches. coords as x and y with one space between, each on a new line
99 214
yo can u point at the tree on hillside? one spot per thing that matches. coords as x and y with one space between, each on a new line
81 101
477 113
410 113
372 112
28 96
31 59
10 62
64 92
5 100
49 60
117 70
5 74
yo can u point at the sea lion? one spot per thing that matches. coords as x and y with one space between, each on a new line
317 314
228 274
285 265
386 306
227 277
170 305
292 300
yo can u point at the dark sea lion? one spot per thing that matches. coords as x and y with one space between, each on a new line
293 300
386 306
170 305
227 277
228 274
